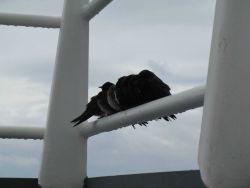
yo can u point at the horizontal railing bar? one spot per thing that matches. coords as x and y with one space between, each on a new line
186 100
30 20
93 8
21 132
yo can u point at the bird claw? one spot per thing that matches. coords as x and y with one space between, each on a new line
173 117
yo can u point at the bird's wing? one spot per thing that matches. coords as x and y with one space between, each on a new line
103 104
112 99
91 109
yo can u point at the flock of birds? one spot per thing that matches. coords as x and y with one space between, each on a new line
128 92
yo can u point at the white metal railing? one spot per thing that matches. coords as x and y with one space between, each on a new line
21 132
93 8
70 63
30 20
186 100
225 125
224 148
88 12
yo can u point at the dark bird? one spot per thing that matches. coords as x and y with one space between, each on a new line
134 90
152 87
96 107
128 92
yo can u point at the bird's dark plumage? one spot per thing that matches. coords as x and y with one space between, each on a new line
128 92
96 106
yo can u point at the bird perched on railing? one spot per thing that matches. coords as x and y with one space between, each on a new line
98 106
128 92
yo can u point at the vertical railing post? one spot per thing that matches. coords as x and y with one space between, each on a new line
224 150
65 151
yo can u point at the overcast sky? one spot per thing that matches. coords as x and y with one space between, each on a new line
170 37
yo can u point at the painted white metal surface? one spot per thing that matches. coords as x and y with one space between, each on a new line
93 8
30 20
177 103
21 132
224 150
65 150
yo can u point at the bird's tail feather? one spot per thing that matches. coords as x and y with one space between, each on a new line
83 117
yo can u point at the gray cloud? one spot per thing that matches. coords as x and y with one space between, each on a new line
159 12
20 158
162 146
